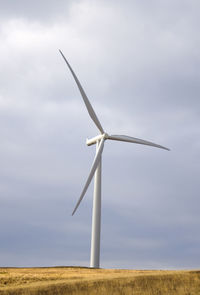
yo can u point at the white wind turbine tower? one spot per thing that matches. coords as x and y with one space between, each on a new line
96 169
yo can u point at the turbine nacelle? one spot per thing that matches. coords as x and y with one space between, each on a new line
96 139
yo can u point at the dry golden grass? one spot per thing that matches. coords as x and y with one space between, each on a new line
72 280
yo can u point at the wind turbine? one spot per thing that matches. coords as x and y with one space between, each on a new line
96 171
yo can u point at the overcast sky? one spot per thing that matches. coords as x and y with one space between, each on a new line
139 63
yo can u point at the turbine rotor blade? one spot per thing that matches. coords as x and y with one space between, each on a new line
91 174
135 140
84 96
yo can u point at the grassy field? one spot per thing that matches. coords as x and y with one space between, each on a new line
72 280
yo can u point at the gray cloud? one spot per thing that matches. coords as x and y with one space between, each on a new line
43 11
138 63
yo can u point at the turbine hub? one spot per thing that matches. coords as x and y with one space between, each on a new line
106 136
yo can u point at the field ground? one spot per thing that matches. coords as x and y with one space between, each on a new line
74 280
